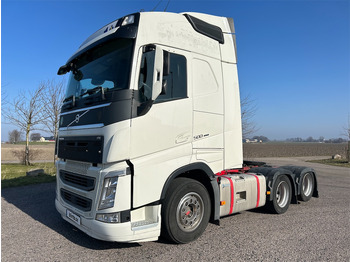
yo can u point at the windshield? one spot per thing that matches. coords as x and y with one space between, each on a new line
102 69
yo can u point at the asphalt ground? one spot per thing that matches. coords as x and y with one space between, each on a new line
32 230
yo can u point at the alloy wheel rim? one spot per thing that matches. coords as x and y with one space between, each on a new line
190 211
282 194
307 184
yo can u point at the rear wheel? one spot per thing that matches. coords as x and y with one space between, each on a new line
282 194
307 187
186 211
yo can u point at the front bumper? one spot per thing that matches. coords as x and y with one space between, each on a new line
116 232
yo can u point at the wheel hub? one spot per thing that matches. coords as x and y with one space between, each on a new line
282 194
307 184
190 212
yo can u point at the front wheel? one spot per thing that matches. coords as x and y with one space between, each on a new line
185 211
282 194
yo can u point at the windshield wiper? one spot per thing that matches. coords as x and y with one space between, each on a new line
95 90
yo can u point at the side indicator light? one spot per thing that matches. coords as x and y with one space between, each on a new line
222 203
268 193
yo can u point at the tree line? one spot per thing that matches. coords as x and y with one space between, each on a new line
16 136
310 139
35 110
321 139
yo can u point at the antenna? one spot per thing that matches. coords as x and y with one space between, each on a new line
157 5
166 6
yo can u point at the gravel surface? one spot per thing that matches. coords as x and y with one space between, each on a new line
32 230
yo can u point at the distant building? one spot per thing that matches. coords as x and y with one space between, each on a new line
47 139
251 141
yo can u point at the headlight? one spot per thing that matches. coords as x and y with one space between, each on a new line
108 192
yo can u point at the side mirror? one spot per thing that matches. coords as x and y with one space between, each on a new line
157 73
63 70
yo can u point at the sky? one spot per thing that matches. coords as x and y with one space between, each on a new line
293 56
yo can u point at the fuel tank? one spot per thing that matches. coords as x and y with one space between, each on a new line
240 192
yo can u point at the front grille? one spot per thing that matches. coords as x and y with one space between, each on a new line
87 149
77 167
75 200
79 181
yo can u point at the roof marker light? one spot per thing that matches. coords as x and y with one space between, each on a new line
130 19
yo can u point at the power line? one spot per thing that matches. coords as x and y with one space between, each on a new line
157 5
166 6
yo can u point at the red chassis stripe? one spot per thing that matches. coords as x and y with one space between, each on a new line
258 189
232 193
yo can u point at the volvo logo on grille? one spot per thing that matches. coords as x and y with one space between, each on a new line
77 117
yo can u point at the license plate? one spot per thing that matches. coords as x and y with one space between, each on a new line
75 218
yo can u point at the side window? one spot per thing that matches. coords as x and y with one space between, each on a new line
175 82
146 76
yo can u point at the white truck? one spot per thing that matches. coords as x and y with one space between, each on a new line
150 139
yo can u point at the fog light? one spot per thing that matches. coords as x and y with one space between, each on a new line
109 218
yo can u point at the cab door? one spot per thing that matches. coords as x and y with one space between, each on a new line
208 111
161 133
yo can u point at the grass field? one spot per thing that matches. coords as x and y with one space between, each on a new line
332 162
43 151
15 174
36 143
280 149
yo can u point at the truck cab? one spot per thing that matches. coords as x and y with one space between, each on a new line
152 109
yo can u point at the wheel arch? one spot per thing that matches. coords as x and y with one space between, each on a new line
299 172
203 174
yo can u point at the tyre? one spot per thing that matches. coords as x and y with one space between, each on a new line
282 194
307 187
185 211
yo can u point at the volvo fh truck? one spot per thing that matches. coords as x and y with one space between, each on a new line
150 137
